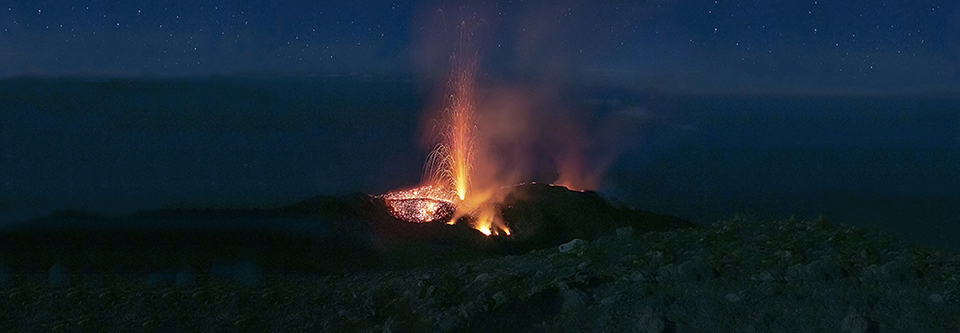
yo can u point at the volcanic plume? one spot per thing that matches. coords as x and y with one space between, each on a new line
448 190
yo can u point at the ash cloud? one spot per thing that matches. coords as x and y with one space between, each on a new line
529 127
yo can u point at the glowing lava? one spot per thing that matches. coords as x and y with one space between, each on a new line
450 166
451 162
420 205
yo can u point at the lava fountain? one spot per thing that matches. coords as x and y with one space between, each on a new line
447 190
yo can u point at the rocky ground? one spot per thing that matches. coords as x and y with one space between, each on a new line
739 275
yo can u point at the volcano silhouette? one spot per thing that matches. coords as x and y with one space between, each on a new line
320 234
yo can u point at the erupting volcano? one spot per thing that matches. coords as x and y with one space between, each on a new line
447 191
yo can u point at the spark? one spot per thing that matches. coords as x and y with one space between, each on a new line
449 190
419 205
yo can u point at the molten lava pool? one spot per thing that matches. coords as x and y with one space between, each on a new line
420 205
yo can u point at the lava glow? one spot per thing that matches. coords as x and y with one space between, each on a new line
452 160
449 190
420 205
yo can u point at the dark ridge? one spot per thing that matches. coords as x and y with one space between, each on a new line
322 234
547 215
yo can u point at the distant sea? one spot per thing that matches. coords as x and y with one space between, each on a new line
890 160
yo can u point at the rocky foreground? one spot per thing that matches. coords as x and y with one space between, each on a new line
738 275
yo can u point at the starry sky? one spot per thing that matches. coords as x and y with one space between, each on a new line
784 44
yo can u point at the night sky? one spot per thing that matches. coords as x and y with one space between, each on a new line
806 45
699 109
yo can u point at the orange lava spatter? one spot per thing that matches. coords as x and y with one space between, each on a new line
449 168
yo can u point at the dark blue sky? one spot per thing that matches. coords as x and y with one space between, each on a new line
807 45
